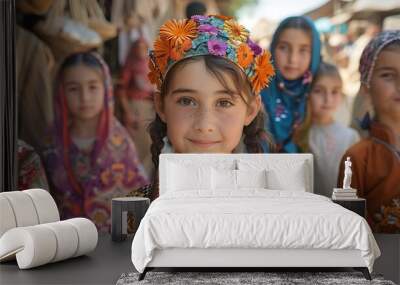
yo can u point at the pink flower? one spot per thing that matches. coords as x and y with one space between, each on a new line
217 47
198 18
307 77
210 29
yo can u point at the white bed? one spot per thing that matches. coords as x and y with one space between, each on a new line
212 222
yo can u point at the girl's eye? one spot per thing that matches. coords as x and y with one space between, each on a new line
72 89
305 50
185 101
224 103
387 75
283 47
336 92
93 87
317 90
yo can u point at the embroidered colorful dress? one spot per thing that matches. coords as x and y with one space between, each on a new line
84 182
284 100
31 173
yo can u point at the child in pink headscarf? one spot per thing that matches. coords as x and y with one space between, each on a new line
93 158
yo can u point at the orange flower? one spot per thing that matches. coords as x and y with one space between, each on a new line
177 31
178 50
222 17
153 75
263 72
161 52
244 55
236 32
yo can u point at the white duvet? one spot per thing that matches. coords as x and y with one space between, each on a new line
253 218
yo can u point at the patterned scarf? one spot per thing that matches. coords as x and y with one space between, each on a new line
367 63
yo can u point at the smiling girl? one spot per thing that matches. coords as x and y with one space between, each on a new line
209 75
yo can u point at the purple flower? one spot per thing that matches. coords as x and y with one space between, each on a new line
307 77
206 28
254 47
217 47
198 18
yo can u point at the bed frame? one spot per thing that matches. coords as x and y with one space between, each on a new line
248 259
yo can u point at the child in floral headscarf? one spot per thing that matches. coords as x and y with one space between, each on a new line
376 159
296 54
93 158
209 75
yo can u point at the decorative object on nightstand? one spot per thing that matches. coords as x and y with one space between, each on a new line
126 214
345 193
347 174
347 196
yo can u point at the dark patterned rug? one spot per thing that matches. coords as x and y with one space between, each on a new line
230 278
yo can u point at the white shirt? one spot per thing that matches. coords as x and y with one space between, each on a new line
328 143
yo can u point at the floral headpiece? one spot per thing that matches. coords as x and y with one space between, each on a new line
209 35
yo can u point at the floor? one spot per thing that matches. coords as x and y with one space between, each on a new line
389 262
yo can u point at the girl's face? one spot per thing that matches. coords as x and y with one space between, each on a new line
293 53
325 97
84 92
200 114
384 88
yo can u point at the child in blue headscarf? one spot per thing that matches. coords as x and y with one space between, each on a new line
295 50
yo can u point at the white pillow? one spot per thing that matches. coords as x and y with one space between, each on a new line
281 174
235 179
224 179
292 178
251 178
183 177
